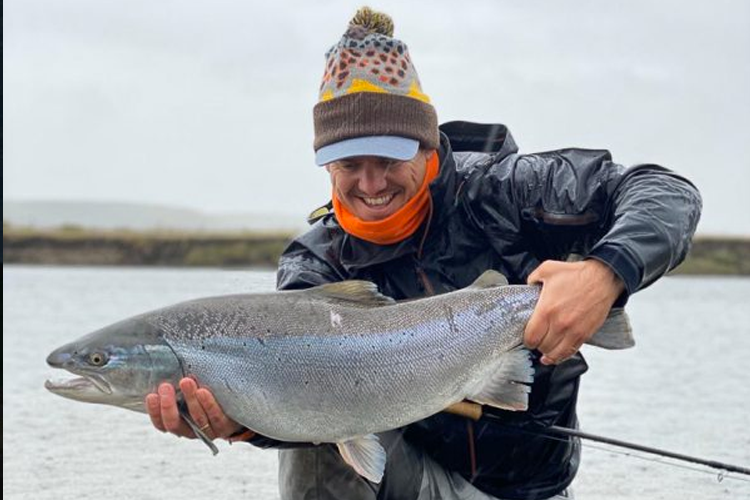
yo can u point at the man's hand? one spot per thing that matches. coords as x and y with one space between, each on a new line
575 300
206 412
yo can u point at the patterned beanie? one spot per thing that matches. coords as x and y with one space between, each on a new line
371 102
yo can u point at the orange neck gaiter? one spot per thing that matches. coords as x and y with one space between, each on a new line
398 226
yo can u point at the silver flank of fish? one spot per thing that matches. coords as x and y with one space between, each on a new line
285 366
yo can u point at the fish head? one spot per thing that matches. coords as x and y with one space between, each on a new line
117 365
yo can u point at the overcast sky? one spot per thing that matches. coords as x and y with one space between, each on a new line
208 105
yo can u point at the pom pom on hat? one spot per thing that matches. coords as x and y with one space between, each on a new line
372 22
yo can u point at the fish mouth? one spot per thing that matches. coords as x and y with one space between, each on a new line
78 385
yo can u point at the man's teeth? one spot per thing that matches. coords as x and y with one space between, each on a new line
381 200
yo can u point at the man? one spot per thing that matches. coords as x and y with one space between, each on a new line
421 210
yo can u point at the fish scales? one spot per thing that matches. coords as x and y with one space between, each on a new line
344 357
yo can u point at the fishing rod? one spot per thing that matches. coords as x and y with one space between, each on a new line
474 412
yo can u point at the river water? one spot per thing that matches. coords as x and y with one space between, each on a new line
685 387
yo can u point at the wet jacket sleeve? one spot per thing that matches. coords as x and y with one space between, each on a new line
639 221
306 262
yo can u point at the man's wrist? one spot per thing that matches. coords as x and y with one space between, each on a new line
607 276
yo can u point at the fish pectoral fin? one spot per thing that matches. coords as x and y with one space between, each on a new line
489 279
507 387
615 333
358 291
185 414
365 455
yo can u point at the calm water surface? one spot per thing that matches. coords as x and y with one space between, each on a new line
685 387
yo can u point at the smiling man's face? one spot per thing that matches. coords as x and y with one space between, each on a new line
372 187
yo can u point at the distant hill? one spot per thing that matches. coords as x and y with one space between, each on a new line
105 215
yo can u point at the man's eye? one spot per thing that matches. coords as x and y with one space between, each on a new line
349 168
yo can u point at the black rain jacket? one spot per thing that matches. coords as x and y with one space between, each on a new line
496 209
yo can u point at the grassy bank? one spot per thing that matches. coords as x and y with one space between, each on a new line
76 246
718 255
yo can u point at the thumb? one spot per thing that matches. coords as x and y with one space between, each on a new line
536 276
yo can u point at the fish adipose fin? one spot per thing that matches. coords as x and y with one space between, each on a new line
185 414
365 455
489 279
615 333
357 291
506 387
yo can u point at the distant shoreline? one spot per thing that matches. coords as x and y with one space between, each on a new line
710 255
77 246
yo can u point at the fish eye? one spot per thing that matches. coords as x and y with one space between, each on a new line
97 358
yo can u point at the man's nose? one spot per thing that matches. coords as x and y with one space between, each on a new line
372 179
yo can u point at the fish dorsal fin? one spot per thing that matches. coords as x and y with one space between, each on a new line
489 279
360 292
365 455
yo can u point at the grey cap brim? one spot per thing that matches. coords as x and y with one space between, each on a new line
387 146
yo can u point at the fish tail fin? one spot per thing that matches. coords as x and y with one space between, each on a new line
615 333
507 386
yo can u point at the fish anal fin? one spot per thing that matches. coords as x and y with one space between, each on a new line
506 387
365 455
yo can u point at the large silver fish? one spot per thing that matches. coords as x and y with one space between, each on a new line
331 364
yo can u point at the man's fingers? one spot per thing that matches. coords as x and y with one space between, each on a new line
563 351
189 388
550 345
535 331
222 426
170 414
154 411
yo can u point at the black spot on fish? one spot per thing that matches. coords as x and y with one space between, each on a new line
261 341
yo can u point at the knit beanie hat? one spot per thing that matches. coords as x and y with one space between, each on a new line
371 102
